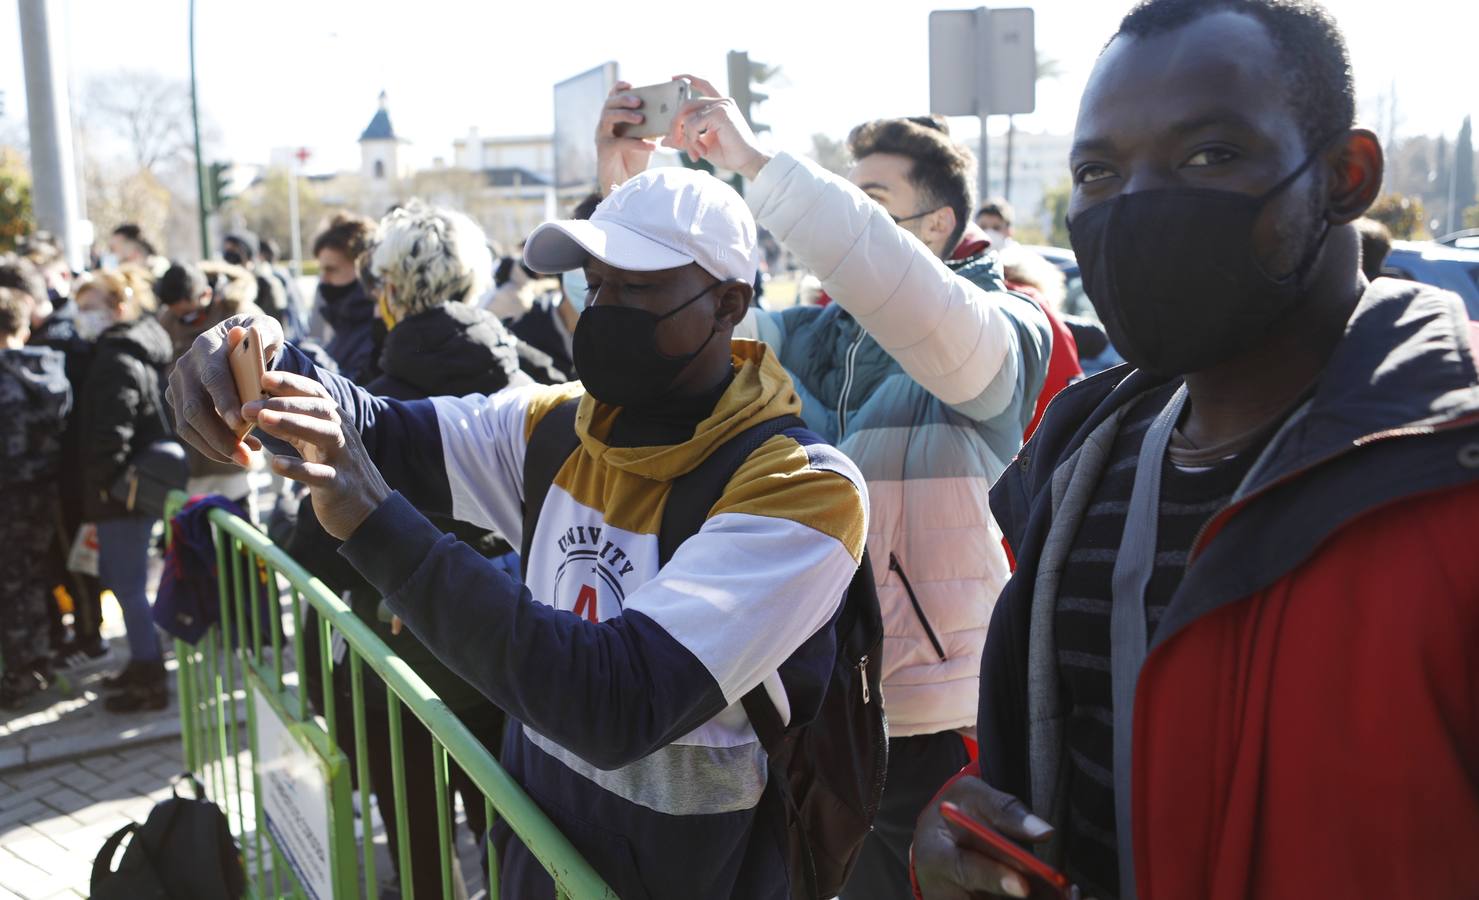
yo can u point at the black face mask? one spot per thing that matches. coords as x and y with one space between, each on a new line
1173 275
232 257
615 350
336 292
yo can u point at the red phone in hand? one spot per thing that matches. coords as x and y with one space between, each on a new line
1045 882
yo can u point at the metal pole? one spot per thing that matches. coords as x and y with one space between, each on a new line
49 117
1452 191
297 228
203 212
1006 183
983 160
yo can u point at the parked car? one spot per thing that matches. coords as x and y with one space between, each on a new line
1452 267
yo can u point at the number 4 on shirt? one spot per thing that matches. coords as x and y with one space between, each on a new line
585 603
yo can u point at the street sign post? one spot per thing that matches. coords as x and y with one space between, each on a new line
983 62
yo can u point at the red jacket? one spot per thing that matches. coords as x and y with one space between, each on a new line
1063 365
1307 719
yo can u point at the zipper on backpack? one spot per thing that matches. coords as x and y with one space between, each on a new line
863 677
893 566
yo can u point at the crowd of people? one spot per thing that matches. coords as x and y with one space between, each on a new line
1200 625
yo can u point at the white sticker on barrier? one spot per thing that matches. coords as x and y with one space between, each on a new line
294 801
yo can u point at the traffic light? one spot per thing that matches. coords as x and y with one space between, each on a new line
743 75
218 186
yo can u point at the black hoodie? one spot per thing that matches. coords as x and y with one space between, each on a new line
122 407
452 349
34 400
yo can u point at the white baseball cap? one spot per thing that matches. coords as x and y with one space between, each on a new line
661 219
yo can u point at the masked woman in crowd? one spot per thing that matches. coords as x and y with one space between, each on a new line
343 304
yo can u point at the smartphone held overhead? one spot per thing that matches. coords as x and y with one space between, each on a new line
660 105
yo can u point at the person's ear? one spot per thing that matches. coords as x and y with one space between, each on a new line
1357 164
734 303
939 225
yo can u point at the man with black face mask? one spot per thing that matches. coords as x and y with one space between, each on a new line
1236 657
622 672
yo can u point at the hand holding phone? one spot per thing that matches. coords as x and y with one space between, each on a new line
1044 882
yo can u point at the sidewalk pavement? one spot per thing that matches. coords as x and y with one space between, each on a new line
54 818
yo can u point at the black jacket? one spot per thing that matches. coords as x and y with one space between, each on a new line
540 328
59 332
357 333
34 401
122 407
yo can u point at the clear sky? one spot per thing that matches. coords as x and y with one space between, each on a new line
277 73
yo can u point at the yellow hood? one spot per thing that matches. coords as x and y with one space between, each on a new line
761 391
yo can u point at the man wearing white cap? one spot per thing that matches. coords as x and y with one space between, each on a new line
622 674
925 371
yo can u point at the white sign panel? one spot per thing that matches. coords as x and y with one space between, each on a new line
982 62
295 801
578 105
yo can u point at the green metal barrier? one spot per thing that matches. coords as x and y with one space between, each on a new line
240 671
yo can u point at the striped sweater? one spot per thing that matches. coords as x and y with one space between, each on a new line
624 678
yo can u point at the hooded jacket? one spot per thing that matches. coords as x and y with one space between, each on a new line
926 374
625 678
122 407
34 401
59 332
1305 723
354 343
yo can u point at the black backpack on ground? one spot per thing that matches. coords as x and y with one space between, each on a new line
183 851
825 776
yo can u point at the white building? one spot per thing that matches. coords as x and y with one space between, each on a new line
1039 162
534 154
382 164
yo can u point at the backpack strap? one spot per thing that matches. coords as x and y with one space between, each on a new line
689 501
695 492
550 444
102 865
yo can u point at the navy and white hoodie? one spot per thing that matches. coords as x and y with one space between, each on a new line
624 679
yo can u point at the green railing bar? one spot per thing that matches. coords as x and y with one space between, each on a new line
444 827
231 649
398 777
325 638
184 699
253 576
276 626
258 815
573 876
218 719
489 818
362 765
300 654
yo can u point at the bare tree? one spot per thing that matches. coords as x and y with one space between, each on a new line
147 112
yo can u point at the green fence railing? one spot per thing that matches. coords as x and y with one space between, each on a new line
277 768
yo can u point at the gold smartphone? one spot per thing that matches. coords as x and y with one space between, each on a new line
248 365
